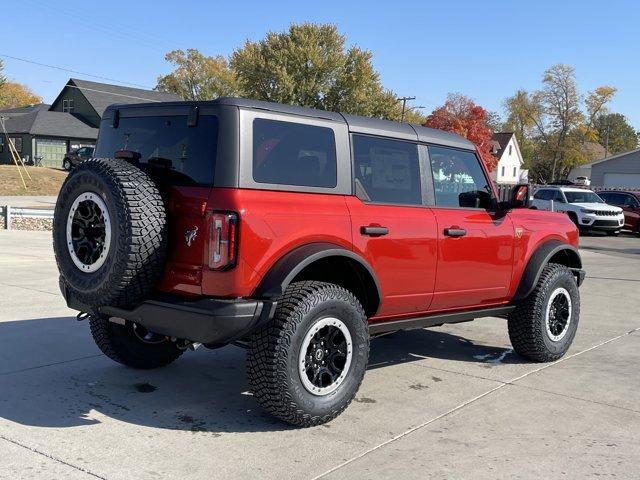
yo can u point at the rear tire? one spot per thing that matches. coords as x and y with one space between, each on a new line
540 328
66 164
124 344
289 373
109 234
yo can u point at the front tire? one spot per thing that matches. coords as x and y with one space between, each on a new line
131 345
542 326
306 365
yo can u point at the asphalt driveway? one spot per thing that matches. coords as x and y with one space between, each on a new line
448 402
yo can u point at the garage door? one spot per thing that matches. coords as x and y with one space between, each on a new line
51 151
627 180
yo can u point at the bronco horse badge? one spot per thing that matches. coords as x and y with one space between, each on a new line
190 235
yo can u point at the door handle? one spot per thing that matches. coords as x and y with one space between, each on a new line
374 231
455 232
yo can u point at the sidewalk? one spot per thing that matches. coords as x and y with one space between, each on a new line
28 201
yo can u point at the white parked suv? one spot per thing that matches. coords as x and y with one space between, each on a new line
587 210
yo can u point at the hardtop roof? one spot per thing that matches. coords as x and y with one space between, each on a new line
356 123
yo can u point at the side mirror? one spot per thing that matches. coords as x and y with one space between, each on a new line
519 197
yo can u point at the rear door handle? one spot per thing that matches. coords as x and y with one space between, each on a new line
374 231
455 232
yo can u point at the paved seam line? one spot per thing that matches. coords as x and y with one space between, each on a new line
616 279
468 402
51 457
50 364
30 289
572 397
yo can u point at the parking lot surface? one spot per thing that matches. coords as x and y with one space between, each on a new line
448 402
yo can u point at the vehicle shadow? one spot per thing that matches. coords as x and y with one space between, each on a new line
67 382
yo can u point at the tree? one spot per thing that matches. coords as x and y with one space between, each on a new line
309 66
14 95
461 115
198 77
615 134
553 125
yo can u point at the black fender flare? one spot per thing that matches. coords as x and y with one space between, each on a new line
282 273
540 258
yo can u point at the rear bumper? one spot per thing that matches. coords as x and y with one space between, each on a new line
210 321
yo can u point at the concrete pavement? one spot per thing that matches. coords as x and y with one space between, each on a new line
29 201
448 402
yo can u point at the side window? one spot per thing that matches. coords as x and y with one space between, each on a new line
386 171
558 197
542 195
289 153
458 179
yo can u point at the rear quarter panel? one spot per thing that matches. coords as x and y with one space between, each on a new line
532 229
272 223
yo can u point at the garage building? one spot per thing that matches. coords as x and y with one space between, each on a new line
621 170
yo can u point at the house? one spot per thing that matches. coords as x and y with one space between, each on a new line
71 121
504 146
621 170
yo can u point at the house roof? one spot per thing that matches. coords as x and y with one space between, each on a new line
499 142
101 95
24 110
53 124
606 159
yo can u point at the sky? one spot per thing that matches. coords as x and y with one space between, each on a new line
484 49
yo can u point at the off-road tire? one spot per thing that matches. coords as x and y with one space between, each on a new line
527 323
120 343
272 361
138 248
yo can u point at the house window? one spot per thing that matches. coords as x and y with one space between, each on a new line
17 143
502 175
514 171
67 105
510 146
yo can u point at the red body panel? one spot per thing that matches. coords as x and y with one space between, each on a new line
473 270
404 260
419 269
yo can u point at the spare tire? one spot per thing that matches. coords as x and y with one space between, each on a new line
109 233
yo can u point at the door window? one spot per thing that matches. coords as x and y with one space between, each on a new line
386 171
459 180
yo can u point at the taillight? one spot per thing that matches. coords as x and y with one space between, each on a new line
224 240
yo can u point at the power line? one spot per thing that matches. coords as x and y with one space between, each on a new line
73 71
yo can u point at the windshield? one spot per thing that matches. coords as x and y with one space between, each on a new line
582 197
186 154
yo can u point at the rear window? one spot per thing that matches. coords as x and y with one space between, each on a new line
188 154
288 153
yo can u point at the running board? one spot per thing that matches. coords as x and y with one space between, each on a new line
437 319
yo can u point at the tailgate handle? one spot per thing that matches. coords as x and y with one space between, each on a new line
374 231
455 232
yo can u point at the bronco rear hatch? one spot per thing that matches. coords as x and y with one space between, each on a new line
177 146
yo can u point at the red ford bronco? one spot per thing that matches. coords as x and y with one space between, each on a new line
300 234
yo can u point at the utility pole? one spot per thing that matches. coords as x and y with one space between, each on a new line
404 105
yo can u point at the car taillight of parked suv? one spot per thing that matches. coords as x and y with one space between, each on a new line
299 234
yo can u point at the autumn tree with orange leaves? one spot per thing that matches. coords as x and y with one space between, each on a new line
461 115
